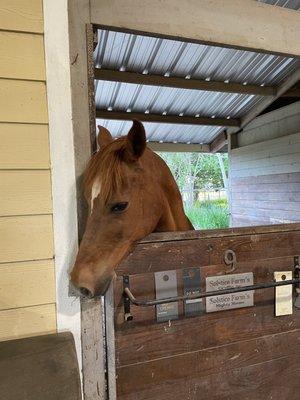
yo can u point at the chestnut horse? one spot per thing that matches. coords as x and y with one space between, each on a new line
131 193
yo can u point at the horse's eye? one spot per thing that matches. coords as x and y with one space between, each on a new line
118 207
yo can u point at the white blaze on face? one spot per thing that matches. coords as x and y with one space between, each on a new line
96 188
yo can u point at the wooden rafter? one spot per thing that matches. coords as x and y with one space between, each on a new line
287 84
182 83
170 119
218 143
243 24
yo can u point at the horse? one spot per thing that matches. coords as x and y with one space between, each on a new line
131 193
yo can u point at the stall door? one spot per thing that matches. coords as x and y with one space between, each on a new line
230 347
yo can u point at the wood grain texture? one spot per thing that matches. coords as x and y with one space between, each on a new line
23 101
22 56
21 15
24 146
25 192
203 365
27 284
43 367
235 23
27 321
223 355
26 238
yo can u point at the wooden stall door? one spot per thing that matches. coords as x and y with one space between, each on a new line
246 353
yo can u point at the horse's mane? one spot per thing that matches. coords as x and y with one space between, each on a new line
106 165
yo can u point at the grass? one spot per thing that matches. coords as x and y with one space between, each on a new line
209 214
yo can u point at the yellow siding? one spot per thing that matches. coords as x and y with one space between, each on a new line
23 101
24 146
26 192
21 56
26 238
21 15
27 278
27 321
26 284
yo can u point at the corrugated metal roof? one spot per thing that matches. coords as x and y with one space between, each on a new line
149 55
293 4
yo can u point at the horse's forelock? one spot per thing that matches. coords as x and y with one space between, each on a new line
106 167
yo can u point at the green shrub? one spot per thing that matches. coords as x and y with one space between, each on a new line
209 214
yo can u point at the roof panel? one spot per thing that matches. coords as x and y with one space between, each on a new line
149 55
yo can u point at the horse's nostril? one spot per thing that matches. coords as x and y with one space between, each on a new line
85 292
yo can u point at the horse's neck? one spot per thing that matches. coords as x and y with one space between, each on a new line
173 216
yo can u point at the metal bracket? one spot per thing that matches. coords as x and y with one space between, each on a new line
127 314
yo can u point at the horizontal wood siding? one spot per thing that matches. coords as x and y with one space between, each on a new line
27 280
265 182
228 355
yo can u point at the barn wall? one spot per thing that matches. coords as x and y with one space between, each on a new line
265 170
27 281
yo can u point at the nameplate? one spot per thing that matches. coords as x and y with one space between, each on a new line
232 300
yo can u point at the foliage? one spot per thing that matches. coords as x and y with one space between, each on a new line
209 215
203 169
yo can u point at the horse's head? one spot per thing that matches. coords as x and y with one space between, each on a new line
127 187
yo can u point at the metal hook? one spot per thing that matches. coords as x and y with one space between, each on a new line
230 260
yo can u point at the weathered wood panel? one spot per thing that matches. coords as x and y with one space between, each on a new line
27 321
26 238
21 15
24 146
223 355
38 368
27 283
23 101
21 56
25 192
265 182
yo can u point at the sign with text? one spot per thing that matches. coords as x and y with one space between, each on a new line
231 300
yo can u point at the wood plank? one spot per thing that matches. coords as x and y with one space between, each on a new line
43 367
289 155
273 215
168 119
24 146
266 187
147 257
22 56
217 233
181 83
26 238
22 15
268 170
27 321
254 382
230 23
218 143
266 179
288 82
27 284
268 148
277 205
25 192
204 364
23 101
291 197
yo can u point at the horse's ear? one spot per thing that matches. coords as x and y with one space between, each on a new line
104 137
136 141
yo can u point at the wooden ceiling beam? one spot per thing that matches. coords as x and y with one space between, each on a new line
182 83
242 24
287 84
218 143
169 119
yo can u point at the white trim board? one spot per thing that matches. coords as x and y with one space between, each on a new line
65 222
